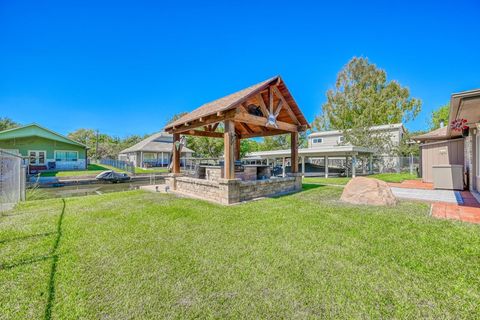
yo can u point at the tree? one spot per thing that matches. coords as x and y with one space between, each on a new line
7 123
440 115
108 146
282 141
408 146
363 98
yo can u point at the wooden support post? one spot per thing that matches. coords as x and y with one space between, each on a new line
237 148
229 135
294 152
176 154
326 166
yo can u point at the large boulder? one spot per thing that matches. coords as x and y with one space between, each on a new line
368 191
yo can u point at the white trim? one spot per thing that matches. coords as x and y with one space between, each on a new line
55 155
37 157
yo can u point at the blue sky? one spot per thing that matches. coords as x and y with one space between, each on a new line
126 67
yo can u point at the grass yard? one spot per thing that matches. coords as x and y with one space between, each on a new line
144 255
151 170
92 169
387 177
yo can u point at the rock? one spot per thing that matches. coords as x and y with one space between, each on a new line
368 191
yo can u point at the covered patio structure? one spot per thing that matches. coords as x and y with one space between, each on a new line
347 157
264 109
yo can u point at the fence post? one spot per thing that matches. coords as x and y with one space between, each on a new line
411 163
23 182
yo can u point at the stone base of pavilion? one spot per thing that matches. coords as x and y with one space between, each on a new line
231 191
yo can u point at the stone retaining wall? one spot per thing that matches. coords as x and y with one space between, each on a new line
270 187
232 191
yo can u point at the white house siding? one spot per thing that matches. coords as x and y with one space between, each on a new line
328 141
332 138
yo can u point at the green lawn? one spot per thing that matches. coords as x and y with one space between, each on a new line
387 177
144 255
151 170
92 169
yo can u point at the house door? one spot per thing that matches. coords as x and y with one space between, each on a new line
36 157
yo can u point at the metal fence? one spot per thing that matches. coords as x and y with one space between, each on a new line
342 166
119 164
380 164
12 180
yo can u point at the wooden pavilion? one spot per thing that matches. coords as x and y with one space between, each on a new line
264 109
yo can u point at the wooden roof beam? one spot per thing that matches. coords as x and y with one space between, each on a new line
286 105
200 133
270 97
215 118
247 128
261 121
262 105
267 133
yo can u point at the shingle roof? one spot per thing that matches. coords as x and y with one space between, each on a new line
222 104
247 95
437 134
150 145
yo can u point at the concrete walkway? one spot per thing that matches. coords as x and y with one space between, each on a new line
428 195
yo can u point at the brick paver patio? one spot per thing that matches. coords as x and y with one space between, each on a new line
468 211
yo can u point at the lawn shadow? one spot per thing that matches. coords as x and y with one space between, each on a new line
310 186
54 255
53 269
305 187
38 235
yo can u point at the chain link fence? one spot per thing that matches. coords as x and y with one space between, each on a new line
119 164
12 180
342 166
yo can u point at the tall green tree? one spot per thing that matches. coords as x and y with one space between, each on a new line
108 146
440 115
7 123
282 141
362 98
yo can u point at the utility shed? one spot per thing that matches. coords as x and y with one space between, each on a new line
264 109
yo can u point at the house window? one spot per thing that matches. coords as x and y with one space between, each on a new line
341 139
66 156
317 140
36 157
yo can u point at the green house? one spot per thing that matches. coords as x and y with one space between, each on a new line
44 149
